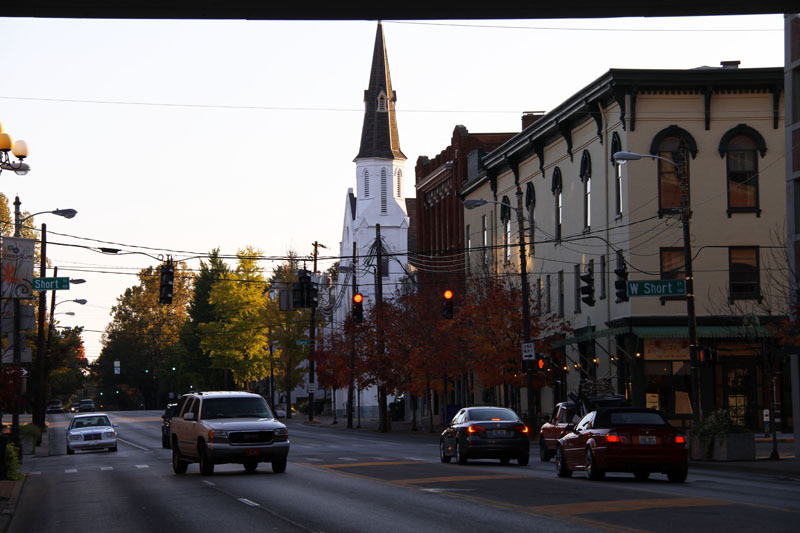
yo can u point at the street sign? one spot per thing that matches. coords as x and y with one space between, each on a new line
312 388
50 284
304 342
528 351
657 287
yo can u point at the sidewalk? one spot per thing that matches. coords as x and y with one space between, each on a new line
788 466
11 489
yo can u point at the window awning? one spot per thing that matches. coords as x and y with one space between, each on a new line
703 332
589 336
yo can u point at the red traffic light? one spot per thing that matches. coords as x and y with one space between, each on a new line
541 364
358 297
448 294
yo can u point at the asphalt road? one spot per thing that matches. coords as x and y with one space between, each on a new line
341 481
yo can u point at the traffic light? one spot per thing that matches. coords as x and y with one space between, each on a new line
706 355
166 283
447 304
358 308
621 284
541 363
301 291
313 295
587 288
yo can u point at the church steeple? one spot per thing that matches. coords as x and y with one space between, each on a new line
379 137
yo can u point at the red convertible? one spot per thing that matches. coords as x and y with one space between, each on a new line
623 439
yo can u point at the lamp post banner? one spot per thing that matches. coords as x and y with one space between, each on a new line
17 270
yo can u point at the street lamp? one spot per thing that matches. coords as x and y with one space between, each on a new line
686 214
19 149
523 270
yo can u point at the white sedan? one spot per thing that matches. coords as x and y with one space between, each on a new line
92 431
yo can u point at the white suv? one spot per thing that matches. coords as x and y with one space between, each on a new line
212 428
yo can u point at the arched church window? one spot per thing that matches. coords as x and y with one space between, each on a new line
382 102
366 183
383 191
399 183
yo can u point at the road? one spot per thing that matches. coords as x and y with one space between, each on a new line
341 481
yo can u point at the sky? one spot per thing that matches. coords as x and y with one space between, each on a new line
178 137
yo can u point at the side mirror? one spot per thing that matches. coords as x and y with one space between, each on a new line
188 416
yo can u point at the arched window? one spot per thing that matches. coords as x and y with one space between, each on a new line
557 189
382 102
505 218
676 145
366 183
399 176
383 191
530 206
586 178
616 146
740 146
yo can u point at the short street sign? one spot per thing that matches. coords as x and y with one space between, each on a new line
657 287
303 342
50 284
528 351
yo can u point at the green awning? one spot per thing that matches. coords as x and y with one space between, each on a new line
589 336
703 332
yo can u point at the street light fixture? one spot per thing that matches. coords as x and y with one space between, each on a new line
686 214
523 270
19 149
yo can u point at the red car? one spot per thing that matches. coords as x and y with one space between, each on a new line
623 439
565 413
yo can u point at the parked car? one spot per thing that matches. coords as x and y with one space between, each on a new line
54 406
623 439
485 433
91 432
169 412
565 413
86 405
73 408
212 428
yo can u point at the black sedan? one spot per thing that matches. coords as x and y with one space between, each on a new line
169 412
485 433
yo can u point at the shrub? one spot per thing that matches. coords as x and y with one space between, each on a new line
12 462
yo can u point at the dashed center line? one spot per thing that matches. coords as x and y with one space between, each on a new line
70 470
106 468
142 466
249 502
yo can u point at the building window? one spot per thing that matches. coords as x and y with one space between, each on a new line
547 293
530 205
577 289
484 237
366 183
561 293
672 263
676 145
399 176
586 178
505 218
383 191
616 146
385 264
557 189
469 247
744 277
539 302
740 147
382 102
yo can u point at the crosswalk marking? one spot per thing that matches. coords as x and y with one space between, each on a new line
142 466
106 468
70 470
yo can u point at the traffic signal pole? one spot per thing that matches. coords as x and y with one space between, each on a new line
351 385
526 309
312 337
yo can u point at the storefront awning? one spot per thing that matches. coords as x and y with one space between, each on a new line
703 332
589 336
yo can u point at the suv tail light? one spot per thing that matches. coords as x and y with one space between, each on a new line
615 438
475 429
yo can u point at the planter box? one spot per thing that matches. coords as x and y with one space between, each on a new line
734 447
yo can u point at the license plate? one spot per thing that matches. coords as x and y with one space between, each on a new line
647 439
499 433
252 451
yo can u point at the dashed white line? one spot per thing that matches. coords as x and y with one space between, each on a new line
142 466
249 502
347 459
209 483
106 468
314 459
70 470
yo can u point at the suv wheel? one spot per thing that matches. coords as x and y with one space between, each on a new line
178 465
206 465
279 465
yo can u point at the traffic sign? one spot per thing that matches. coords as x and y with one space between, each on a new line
657 287
303 342
50 284
528 351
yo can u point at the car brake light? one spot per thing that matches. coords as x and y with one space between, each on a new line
521 428
616 438
476 429
680 439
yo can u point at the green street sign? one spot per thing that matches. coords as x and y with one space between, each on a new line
50 284
303 342
657 287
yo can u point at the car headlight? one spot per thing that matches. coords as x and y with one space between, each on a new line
75 436
280 434
109 434
217 435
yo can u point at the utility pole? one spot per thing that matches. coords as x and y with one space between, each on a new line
384 423
526 309
41 364
17 339
312 336
351 385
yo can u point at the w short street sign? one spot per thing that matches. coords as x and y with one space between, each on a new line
657 287
50 284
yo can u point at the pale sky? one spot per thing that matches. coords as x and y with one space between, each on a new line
176 137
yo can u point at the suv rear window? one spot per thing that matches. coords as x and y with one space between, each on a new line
235 408
636 418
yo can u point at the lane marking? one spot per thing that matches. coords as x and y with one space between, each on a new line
209 483
416 459
249 502
375 463
615 506
37 473
129 443
142 466
106 468
314 459
347 459
71 471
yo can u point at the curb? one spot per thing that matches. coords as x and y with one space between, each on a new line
10 505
